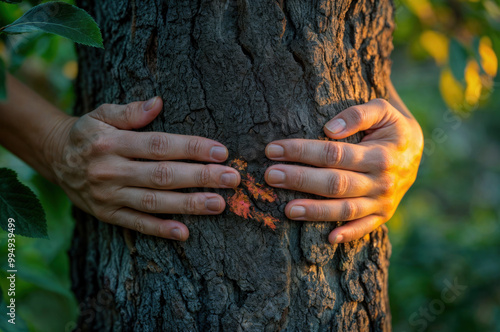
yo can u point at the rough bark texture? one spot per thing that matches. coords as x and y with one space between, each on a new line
242 72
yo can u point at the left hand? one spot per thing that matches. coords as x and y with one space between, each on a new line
364 182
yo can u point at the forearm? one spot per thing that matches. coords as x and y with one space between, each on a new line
26 124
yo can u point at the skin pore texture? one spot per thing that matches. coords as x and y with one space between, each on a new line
94 160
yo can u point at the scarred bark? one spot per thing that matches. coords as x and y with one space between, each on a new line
244 73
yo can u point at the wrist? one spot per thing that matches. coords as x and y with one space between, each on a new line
54 143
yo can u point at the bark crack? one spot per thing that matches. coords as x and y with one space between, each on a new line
192 58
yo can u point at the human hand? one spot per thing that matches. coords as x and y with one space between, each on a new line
365 182
94 161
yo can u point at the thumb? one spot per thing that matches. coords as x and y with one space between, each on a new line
375 114
131 116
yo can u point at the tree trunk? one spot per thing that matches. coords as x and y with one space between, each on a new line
244 73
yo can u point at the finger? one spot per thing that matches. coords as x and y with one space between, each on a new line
320 181
175 175
375 114
355 229
131 116
330 210
162 146
320 153
150 225
156 201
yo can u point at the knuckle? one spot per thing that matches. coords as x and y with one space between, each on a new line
301 180
128 112
98 196
385 161
203 177
333 154
358 115
297 150
100 145
387 208
191 204
162 175
353 234
387 185
161 230
336 185
348 211
320 212
403 140
101 110
158 146
194 147
383 104
149 202
98 174
93 174
139 224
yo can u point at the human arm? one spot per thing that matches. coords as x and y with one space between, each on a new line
93 158
364 182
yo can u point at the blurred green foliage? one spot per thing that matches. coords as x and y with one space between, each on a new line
447 229
462 37
43 290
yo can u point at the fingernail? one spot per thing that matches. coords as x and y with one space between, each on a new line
336 126
297 211
218 153
148 106
338 238
176 233
275 151
229 180
276 177
213 204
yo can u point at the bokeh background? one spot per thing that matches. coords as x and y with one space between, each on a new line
445 266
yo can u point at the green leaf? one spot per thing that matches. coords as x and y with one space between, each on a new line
19 203
3 77
457 59
12 1
61 19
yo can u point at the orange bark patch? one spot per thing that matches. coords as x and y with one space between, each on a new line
239 164
258 190
240 203
266 219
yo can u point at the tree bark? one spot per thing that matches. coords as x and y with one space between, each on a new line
244 73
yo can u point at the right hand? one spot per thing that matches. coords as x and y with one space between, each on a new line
94 160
